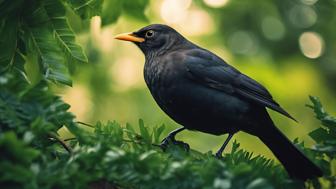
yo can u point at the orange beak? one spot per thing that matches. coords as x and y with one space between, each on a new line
129 37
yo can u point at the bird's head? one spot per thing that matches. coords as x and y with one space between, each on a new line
153 38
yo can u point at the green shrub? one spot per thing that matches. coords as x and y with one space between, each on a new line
110 156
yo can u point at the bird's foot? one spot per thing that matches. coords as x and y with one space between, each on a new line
185 146
165 142
218 155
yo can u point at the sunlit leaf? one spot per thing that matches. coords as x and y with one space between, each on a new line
86 8
317 107
63 32
157 131
52 61
144 132
18 64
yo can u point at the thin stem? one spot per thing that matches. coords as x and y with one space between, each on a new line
68 139
86 124
58 139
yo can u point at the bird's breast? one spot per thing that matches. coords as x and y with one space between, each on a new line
161 76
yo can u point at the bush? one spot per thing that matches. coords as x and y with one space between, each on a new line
109 155
33 156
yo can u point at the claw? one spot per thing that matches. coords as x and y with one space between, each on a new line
218 155
164 145
185 145
165 142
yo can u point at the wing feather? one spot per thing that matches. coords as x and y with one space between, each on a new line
217 74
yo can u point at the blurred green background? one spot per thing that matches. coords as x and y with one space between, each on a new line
289 46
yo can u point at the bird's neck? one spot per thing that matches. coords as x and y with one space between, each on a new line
171 45
150 56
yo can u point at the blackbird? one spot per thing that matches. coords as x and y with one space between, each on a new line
201 92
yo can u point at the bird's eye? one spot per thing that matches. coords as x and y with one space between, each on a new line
149 33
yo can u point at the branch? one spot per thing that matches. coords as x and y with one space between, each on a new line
58 139
86 124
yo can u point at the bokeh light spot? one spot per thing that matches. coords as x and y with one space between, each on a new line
216 3
272 28
126 73
172 11
311 44
197 22
243 42
80 99
302 16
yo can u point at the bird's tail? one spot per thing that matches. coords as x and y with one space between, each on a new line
295 162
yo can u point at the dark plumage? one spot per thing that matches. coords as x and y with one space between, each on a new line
200 91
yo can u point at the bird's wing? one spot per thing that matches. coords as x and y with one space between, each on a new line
217 74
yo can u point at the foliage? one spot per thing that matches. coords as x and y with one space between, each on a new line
40 29
132 8
117 156
325 137
109 155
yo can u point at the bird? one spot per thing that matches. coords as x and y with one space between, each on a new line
202 92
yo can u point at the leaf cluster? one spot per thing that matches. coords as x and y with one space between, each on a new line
114 156
108 155
39 31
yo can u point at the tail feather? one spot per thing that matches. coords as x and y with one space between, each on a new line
295 162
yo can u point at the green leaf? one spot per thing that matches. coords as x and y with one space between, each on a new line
41 127
18 64
51 35
259 183
10 7
157 131
328 121
317 107
144 131
86 8
41 41
52 59
8 44
136 8
9 106
15 161
235 146
319 135
130 131
63 33
112 9
11 146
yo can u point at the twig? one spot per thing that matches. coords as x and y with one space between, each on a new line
58 139
68 139
86 124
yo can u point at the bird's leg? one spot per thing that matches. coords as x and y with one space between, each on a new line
220 151
171 137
